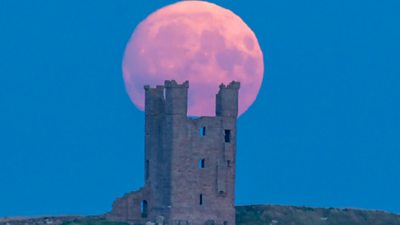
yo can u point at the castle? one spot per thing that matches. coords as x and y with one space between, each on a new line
189 162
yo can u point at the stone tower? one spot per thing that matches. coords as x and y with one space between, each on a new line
189 162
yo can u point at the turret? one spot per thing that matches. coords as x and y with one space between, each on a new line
154 110
227 100
176 97
154 100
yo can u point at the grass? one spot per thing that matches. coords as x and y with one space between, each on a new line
286 215
92 221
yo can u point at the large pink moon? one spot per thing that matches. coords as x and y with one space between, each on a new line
196 41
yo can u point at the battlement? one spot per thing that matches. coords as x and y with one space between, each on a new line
154 100
174 84
156 91
227 100
172 99
232 85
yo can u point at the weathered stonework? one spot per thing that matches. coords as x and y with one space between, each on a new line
189 162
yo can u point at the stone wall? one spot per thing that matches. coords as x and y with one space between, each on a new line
189 162
131 207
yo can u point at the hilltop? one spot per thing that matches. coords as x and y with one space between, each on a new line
290 215
248 215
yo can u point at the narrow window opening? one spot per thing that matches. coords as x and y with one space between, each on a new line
227 136
202 163
202 131
147 169
165 93
143 208
201 199
228 163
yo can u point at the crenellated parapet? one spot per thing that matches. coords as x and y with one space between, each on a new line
176 97
174 84
227 100
231 85
154 100
170 98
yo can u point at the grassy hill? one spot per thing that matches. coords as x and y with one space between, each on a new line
250 215
288 215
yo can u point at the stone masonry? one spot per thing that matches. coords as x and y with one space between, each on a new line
189 162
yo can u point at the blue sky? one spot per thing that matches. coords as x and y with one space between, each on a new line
324 130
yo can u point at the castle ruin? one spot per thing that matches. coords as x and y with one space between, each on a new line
189 162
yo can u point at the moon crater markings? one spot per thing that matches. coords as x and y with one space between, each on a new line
196 41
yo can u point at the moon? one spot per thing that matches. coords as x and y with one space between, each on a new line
196 41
